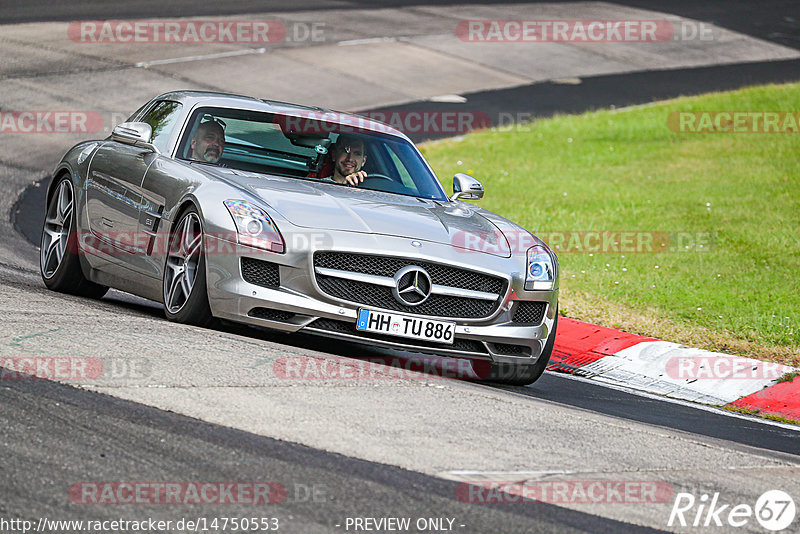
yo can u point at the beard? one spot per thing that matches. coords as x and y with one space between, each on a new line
211 155
344 171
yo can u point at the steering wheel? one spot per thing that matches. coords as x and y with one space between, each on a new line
385 183
379 177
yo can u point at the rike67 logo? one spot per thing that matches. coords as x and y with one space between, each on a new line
774 510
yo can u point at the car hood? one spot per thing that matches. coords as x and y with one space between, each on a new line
328 206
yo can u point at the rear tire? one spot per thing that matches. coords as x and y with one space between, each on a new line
59 256
510 374
184 289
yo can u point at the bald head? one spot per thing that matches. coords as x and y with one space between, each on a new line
208 142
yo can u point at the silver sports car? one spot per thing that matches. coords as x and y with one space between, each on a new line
301 220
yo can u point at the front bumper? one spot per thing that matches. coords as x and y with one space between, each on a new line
298 304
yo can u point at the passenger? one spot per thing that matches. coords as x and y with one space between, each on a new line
208 142
348 157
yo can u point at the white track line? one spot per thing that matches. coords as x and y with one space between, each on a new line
145 64
368 40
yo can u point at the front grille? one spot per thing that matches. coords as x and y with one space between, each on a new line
380 296
528 312
343 327
444 275
260 273
271 315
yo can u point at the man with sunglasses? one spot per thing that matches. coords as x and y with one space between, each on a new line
209 140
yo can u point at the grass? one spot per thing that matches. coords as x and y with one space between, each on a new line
733 200
788 377
759 413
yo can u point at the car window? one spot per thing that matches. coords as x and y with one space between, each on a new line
302 148
401 170
137 113
162 120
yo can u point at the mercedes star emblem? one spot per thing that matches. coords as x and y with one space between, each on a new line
412 285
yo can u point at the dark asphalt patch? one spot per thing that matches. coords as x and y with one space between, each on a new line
27 213
60 436
545 99
599 399
776 20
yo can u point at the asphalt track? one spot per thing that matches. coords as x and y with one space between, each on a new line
103 438
54 434
531 101
776 20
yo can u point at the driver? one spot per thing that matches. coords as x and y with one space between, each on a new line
208 142
348 156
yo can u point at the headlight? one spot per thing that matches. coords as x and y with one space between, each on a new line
254 227
541 272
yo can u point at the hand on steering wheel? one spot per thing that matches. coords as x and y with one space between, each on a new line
358 177
355 178
379 176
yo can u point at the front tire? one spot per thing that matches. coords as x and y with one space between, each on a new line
184 289
59 260
510 374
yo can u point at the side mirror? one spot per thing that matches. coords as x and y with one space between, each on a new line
466 187
134 133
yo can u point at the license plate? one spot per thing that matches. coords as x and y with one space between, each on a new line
396 324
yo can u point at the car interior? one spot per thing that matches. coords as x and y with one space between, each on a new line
265 143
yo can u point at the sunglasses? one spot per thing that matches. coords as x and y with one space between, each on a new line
210 118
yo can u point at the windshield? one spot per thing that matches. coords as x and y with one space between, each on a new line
307 149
